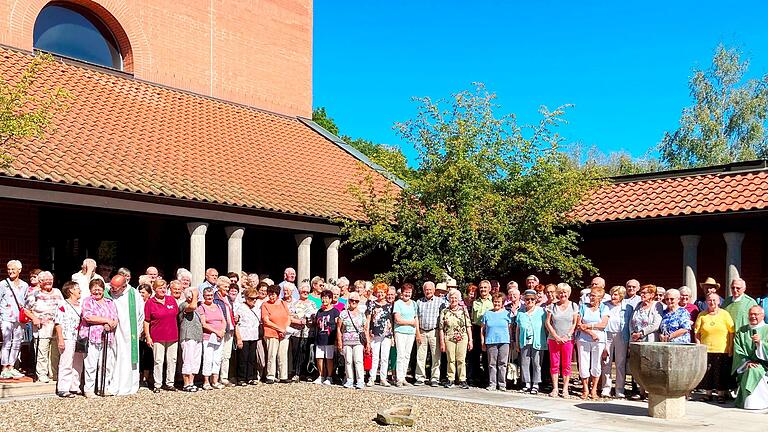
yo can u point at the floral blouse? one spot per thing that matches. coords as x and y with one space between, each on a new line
102 309
381 320
454 324
673 321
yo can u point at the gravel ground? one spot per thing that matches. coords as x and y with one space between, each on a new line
294 407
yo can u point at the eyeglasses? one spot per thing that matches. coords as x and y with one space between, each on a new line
252 298
354 301
530 299
303 292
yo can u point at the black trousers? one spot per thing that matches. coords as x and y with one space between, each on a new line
477 360
246 361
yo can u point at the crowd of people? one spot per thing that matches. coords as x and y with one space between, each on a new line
106 337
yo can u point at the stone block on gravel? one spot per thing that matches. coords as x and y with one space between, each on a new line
398 415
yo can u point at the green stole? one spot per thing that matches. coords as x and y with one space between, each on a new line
744 350
739 310
133 322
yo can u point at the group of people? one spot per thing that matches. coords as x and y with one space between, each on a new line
108 336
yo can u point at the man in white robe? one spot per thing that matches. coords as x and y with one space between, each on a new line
130 312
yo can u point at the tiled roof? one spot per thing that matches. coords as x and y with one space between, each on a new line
129 135
703 193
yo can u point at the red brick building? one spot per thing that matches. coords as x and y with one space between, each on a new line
187 141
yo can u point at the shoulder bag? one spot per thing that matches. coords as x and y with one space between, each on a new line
361 335
81 343
23 318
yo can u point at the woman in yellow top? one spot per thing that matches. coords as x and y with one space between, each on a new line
715 330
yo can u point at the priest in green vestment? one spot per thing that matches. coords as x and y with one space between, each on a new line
750 361
739 303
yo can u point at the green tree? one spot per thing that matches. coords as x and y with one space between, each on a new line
390 158
26 109
727 120
488 196
617 163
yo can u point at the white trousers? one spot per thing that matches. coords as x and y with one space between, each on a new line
404 345
617 352
13 333
191 350
211 358
70 368
589 358
353 362
164 352
380 347
226 355
277 358
429 342
92 363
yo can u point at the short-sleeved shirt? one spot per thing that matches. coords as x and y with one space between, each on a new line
105 308
161 317
278 313
325 323
68 318
302 309
429 312
315 298
214 318
674 321
381 320
590 316
190 327
353 325
562 320
407 312
44 304
248 324
496 326
479 307
715 330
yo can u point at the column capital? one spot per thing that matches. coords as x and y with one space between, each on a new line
197 228
733 238
690 240
234 232
332 242
303 239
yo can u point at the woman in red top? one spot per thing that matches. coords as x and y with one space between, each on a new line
162 333
276 318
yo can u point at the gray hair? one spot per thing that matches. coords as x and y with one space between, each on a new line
672 292
44 275
188 294
124 271
223 280
685 290
562 286
454 292
182 272
343 281
303 284
15 263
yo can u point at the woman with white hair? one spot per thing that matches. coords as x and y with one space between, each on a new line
617 340
12 299
561 324
191 338
42 304
676 323
455 338
686 302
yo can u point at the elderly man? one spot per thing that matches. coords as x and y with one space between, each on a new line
477 360
597 282
750 360
289 276
631 297
211 275
428 310
130 324
152 273
13 292
531 282
738 304
84 276
708 286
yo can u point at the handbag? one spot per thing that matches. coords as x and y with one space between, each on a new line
23 318
363 337
81 343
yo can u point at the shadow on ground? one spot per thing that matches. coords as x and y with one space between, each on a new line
614 409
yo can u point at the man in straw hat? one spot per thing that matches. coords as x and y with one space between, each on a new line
707 287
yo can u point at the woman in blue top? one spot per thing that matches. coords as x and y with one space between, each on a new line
406 331
676 322
593 318
494 336
532 340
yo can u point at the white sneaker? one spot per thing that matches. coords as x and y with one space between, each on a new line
44 379
6 374
90 395
385 383
360 385
16 374
327 381
369 383
348 384
319 380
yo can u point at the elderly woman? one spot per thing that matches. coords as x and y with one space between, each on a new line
214 325
616 341
379 329
298 348
676 323
13 297
561 324
455 338
686 302
67 322
644 325
660 294
531 339
176 291
99 317
247 336
406 331
326 321
593 318
351 327
162 334
494 337
42 304
190 338
276 318
146 363
227 296
715 329
317 284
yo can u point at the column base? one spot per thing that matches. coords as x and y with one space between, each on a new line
665 407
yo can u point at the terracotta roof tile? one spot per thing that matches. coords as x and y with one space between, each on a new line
120 133
677 196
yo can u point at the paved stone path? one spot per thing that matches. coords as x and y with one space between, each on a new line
614 415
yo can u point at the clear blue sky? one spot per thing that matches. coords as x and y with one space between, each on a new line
624 65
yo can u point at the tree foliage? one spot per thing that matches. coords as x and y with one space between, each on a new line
26 110
617 163
727 120
488 196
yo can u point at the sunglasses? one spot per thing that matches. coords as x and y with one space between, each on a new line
530 299
354 301
253 298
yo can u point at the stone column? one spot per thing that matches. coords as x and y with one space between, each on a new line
733 242
302 263
234 248
690 256
197 251
332 258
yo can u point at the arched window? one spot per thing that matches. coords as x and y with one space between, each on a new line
75 32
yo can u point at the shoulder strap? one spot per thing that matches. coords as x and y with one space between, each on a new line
353 321
13 294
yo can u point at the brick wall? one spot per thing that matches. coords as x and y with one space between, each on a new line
19 226
258 53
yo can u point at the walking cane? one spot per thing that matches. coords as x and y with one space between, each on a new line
103 378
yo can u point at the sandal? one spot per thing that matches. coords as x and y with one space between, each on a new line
583 396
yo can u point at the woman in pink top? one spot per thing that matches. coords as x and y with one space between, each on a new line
99 317
212 319
162 332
